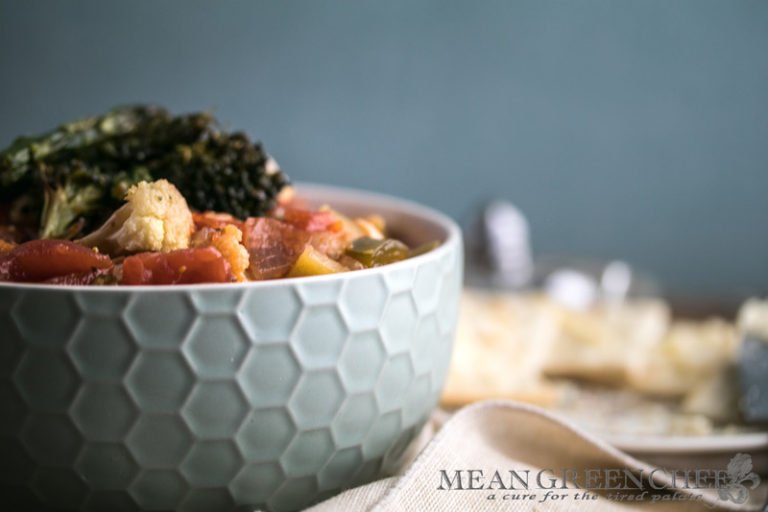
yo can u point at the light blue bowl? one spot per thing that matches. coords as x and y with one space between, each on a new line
209 397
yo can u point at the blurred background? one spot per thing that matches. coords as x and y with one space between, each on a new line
632 130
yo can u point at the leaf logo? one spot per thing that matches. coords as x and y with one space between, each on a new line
739 472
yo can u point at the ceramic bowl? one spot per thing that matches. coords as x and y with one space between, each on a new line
270 394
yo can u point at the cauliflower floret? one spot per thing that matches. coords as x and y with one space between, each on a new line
227 241
155 218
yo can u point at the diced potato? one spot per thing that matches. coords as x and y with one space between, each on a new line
312 262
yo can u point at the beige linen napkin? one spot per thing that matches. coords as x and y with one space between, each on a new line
502 436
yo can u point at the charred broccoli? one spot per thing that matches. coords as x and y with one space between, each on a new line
72 178
52 183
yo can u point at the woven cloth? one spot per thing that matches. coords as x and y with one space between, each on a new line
500 436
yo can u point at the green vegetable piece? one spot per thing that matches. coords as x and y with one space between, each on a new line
63 206
57 175
18 160
375 253
75 176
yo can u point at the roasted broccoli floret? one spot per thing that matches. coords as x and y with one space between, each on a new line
225 173
155 218
53 180
75 196
73 177
19 160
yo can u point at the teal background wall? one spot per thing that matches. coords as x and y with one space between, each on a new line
622 128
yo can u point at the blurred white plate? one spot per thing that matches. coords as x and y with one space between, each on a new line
696 452
744 442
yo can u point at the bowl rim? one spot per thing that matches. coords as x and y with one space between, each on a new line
451 242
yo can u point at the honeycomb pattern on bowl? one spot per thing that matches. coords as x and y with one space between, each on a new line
213 398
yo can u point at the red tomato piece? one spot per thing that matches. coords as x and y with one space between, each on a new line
183 266
41 260
312 221
274 247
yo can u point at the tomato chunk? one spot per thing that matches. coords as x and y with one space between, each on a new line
312 221
41 260
183 266
273 246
